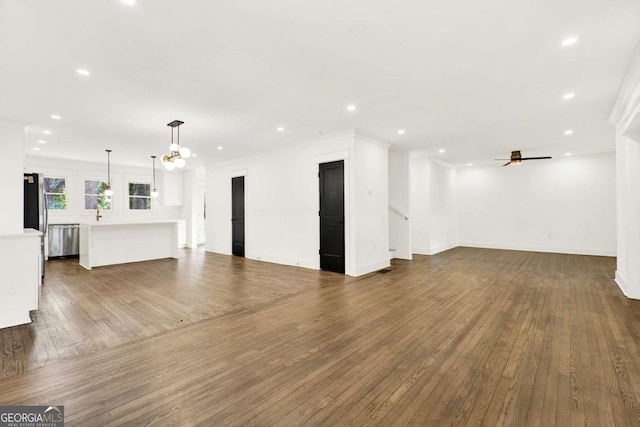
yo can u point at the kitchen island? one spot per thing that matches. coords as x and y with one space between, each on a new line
104 243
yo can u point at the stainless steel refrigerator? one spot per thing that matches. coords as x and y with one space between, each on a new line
35 208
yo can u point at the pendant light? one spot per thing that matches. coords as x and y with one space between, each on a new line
178 154
107 190
154 192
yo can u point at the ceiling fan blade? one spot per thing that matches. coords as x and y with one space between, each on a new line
507 164
535 158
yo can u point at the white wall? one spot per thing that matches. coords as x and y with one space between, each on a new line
399 205
628 191
20 252
626 118
282 202
193 190
75 172
420 188
11 174
564 205
371 218
434 205
443 207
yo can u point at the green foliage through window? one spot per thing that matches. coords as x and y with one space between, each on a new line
94 195
55 191
139 196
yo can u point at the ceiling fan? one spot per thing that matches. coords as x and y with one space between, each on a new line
516 158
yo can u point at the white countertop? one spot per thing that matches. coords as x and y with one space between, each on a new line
106 224
27 232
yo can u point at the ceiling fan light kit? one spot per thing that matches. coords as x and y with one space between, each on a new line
516 158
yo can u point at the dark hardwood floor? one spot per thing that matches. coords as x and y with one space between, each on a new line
466 337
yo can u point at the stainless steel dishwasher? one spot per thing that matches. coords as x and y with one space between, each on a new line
63 240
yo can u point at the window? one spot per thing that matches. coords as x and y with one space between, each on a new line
94 195
139 196
55 191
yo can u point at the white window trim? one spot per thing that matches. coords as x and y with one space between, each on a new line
83 198
66 189
129 196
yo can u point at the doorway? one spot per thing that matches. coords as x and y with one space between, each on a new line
332 216
237 216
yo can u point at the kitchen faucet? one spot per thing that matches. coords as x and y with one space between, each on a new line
98 216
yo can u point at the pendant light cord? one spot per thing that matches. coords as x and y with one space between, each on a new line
154 172
108 167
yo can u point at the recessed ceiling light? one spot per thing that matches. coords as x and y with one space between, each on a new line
351 107
83 72
568 132
36 149
55 117
568 95
441 150
46 132
356 30
129 2
469 164
401 131
42 141
569 41
194 155
280 129
220 147
567 154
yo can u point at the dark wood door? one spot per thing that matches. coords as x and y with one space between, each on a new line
237 215
332 216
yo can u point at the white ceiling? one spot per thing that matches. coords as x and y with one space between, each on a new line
477 78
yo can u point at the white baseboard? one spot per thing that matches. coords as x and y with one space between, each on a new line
218 250
571 251
436 250
421 251
622 284
402 255
443 248
14 318
295 262
379 265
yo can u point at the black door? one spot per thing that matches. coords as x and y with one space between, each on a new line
332 216
237 215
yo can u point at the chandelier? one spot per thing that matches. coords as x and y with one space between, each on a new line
178 154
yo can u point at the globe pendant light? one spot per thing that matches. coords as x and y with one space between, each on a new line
108 191
154 192
178 154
